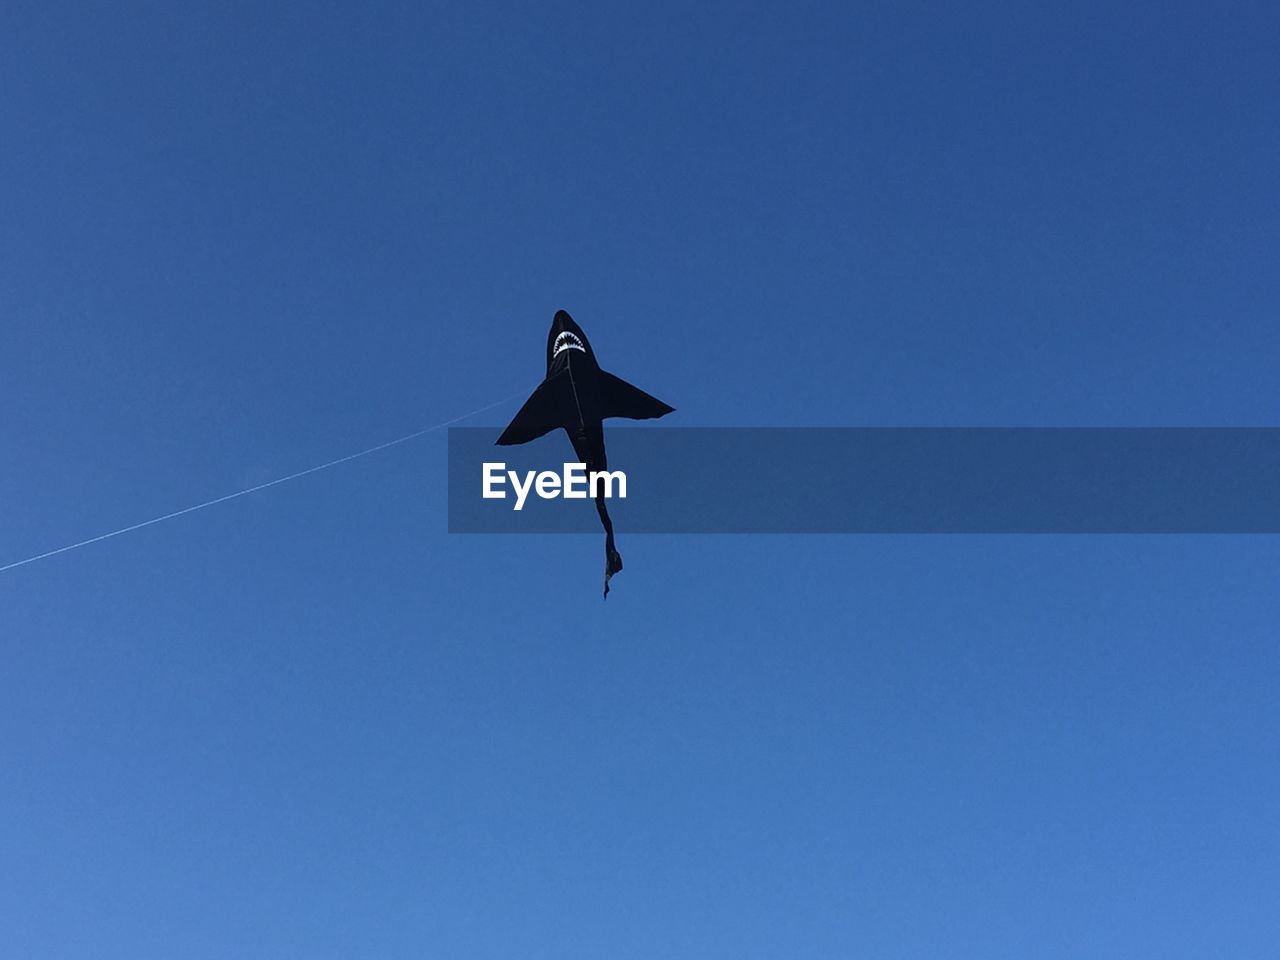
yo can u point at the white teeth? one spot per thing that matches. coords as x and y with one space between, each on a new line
567 341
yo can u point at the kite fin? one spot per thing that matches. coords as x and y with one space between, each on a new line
621 399
547 408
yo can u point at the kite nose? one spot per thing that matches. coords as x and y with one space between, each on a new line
563 319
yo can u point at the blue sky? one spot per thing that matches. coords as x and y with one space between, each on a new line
239 241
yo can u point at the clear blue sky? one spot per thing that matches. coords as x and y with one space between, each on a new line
239 241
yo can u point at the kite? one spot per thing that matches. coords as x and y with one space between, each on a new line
578 396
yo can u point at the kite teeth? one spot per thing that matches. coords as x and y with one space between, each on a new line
567 341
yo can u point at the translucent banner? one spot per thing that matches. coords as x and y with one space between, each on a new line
883 480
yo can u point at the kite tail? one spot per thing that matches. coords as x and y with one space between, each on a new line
612 563
612 559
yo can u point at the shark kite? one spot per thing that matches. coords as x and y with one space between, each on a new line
578 396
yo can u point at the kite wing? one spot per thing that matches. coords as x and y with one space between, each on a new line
621 399
546 409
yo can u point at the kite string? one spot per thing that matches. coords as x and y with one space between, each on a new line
256 487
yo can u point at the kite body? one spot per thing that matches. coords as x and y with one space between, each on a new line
578 396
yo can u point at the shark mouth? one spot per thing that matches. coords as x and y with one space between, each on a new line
567 341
